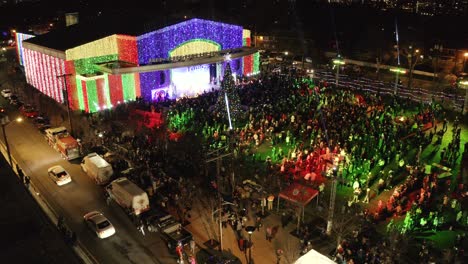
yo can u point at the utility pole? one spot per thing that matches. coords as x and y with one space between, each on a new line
218 159
413 57
331 208
437 50
337 63
67 102
397 38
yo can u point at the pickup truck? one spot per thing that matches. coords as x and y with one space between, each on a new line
172 231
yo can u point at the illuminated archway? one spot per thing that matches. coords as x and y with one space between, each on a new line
193 80
195 46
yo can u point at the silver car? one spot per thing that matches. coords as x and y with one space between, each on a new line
59 175
99 224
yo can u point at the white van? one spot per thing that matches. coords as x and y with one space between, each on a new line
128 195
97 168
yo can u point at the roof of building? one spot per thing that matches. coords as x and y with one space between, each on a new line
101 27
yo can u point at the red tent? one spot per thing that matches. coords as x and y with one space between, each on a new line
298 194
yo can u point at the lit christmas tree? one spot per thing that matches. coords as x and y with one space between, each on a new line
228 105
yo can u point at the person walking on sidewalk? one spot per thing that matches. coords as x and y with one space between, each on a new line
271 198
241 244
258 223
27 181
279 254
192 246
268 233
192 260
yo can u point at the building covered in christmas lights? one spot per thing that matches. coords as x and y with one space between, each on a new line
114 63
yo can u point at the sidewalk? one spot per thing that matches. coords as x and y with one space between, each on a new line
26 228
262 250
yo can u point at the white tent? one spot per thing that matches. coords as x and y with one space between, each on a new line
314 257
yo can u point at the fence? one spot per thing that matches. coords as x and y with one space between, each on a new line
447 100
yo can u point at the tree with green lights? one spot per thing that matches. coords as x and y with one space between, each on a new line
228 88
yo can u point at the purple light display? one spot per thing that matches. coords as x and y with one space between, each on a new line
159 43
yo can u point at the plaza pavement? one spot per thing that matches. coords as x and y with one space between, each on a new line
263 251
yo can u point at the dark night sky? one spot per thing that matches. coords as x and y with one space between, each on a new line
356 27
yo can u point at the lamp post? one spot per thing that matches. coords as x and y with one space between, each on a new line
465 55
250 230
413 57
331 208
397 46
101 136
6 121
65 96
397 72
337 63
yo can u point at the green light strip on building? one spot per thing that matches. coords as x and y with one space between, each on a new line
107 90
93 100
128 87
256 62
79 90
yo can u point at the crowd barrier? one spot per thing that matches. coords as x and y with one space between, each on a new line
453 101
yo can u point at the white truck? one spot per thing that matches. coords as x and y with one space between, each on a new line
97 168
129 196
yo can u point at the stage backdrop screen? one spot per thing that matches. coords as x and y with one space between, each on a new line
190 81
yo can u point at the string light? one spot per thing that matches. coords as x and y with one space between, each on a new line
20 37
42 71
91 90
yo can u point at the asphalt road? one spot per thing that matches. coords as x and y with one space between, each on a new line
29 147
24 224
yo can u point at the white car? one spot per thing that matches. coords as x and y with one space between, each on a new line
6 93
59 175
99 224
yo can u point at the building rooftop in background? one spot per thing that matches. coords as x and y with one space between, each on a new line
87 31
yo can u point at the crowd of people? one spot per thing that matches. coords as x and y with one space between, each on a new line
296 129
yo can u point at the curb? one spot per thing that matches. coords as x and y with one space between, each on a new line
78 248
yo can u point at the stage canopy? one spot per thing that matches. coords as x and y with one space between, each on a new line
314 257
298 194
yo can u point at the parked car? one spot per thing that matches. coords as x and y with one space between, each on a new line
16 101
6 93
99 224
100 150
59 175
29 111
42 123
13 97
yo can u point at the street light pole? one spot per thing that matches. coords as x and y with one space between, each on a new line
465 55
218 170
413 57
337 63
397 38
250 230
67 102
331 207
